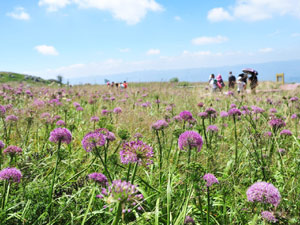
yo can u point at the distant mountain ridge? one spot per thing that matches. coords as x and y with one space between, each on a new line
6 77
267 71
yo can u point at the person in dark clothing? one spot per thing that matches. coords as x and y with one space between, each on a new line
253 83
231 80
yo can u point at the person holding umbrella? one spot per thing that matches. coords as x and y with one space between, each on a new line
253 79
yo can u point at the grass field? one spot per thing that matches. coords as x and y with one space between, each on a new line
150 168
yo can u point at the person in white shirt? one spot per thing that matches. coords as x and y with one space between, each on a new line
240 85
213 83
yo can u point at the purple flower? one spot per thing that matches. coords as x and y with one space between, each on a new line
186 115
294 99
79 108
76 104
94 119
12 150
203 115
269 216
286 133
210 111
60 123
268 134
189 220
294 116
200 104
117 110
60 135
138 136
11 118
136 151
230 93
2 145
190 139
223 114
212 128
281 150
159 125
11 174
2 110
210 179
257 109
45 115
104 112
99 178
263 192
93 140
277 123
233 106
177 118
121 192
273 110
234 112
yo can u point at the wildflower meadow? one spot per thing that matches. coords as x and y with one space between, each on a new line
154 153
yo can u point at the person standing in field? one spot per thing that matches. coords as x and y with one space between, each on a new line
220 82
213 83
253 83
231 80
240 85
125 84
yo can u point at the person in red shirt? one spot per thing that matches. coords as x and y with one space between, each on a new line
125 84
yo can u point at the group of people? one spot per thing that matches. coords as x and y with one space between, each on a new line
217 83
117 85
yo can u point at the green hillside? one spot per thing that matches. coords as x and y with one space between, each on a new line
8 77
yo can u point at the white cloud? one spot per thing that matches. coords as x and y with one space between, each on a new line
177 18
19 13
46 50
130 11
218 14
153 52
54 5
295 35
255 10
124 50
265 50
209 40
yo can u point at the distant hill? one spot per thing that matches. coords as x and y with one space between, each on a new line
6 77
267 71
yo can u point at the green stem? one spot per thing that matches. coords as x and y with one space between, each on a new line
89 206
236 141
160 156
105 167
208 207
128 172
118 215
134 172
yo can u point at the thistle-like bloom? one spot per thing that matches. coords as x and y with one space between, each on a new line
136 151
223 114
94 119
93 140
263 192
200 104
99 178
11 175
104 112
76 104
12 118
269 216
138 136
190 139
256 109
117 110
203 115
233 106
121 192
277 123
210 111
79 108
60 123
186 115
234 112
268 134
294 116
286 133
159 125
273 110
60 135
2 110
12 150
210 179
212 128
177 118
189 220
294 99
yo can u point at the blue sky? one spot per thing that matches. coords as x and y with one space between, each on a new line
78 38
